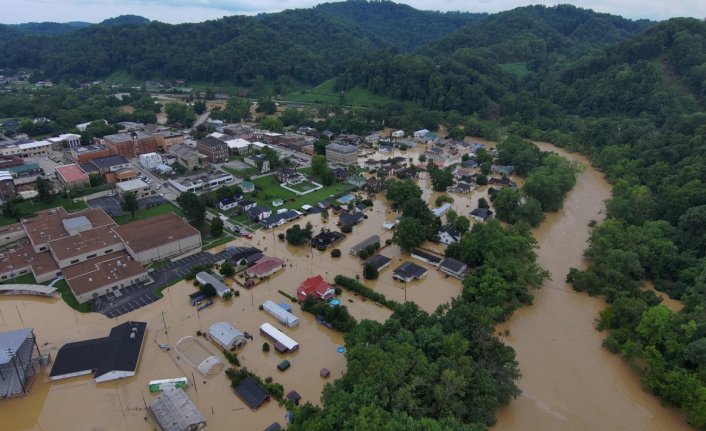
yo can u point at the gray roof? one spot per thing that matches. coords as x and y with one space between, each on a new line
11 341
378 261
346 149
410 270
174 411
361 245
213 281
108 161
453 265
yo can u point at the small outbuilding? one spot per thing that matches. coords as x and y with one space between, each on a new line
174 411
226 336
283 316
252 394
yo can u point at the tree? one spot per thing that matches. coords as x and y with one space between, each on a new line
194 209
266 106
199 107
457 133
320 145
318 165
95 179
180 114
324 215
273 124
370 272
272 157
482 203
523 155
11 210
129 203
422 158
45 190
441 180
297 236
227 269
216 227
410 233
400 191
462 224
327 177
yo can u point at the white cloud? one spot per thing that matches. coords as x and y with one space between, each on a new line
175 11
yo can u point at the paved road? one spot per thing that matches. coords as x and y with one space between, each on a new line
137 296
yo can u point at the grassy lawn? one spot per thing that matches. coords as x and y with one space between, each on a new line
214 242
70 299
150 212
29 207
243 173
271 190
325 93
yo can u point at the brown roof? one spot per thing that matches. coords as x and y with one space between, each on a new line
47 225
101 271
265 265
153 232
85 242
24 255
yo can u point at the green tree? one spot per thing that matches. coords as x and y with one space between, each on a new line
95 179
462 224
129 203
216 228
457 133
199 107
410 233
482 203
179 114
45 190
194 209
318 165
441 180
400 191
266 106
370 272
320 145
11 210
227 269
273 124
297 236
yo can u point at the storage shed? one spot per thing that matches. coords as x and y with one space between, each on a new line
282 315
281 341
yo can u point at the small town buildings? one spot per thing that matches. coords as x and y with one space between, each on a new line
26 149
342 154
340 173
409 271
357 181
165 139
205 278
449 235
315 286
502 170
102 275
130 145
258 213
356 249
226 204
215 149
247 187
282 217
140 188
150 160
114 168
245 205
371 164
481 214
453 267
66 140
289 176
378 261
427 257
201 182
72 177
113 357
238 146
265 267
173 410
19 361
439 211
461 187
160 237
283 316
188 157
373 185
350 219
244 255
249 391
326 239
258 161
226 336
87 153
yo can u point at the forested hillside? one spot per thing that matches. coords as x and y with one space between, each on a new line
306 45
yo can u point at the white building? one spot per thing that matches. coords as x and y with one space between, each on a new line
150 160
238 146
226 336
67 140
421 133
140 188
279 313
282 342
398 134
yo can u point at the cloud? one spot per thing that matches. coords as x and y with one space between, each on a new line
176 11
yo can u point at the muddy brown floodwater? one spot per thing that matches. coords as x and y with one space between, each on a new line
569 382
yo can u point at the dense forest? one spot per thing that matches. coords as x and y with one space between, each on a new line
629 94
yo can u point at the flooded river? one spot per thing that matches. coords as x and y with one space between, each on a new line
569 382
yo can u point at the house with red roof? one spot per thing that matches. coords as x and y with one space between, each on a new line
316 287
265 267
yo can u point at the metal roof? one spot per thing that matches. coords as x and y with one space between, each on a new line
10 342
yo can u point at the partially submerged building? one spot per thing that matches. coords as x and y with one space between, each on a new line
174 411
283 316
113 357
409 271
252 394
282 342
19 361
226 335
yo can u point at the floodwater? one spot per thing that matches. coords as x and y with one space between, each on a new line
569 382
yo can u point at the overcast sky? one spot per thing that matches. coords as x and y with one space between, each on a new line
178 11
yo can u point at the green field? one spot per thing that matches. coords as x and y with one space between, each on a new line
242 173
324 93
21 279
270 190
150 212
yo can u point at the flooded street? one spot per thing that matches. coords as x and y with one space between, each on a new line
569 382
